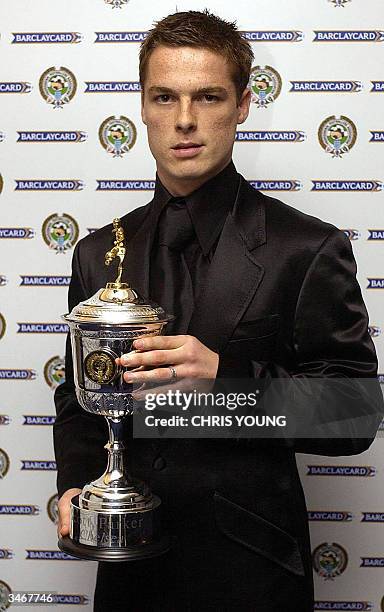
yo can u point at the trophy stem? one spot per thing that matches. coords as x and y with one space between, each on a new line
115 474
115 518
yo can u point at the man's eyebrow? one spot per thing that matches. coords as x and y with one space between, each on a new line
202 90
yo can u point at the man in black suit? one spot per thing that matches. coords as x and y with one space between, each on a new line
259 290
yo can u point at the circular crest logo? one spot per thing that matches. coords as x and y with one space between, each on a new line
4 464
57 86
3 326
265 85
5 592
52 509
329 560
100 366
60 232
1 183
337 136
117 135
54 371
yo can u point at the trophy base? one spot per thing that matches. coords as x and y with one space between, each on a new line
98 535
131 553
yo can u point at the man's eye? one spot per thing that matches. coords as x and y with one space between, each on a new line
210 98
163 98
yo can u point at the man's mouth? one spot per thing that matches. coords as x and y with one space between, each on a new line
187 145
187 149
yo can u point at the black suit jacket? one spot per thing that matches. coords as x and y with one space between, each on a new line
281 300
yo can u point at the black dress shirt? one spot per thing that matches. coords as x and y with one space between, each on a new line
205 210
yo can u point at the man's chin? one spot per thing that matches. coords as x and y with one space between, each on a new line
188 175
191 170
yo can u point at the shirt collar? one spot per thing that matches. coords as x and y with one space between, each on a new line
208 205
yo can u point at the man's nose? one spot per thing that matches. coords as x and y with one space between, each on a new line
186 119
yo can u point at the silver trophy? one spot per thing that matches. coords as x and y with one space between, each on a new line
115 518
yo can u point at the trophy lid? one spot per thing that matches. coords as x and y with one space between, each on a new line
117 306
117 303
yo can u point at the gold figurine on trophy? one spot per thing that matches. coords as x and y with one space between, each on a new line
118 250
117 292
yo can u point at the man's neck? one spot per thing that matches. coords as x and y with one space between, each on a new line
184 187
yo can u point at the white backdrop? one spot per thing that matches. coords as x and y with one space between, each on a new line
55 184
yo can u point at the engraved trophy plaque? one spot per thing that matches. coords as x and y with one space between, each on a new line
116 517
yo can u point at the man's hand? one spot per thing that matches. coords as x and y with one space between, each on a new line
188 357
64 511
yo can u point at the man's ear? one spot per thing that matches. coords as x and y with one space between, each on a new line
143 117
243 106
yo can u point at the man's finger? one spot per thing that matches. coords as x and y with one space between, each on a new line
63 529
154 376
151 358
159 342
64 519
64 508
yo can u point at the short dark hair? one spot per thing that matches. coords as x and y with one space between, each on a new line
201 29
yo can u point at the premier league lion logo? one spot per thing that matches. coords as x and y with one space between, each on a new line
337 136
265 85
57 86
117 135
329 560
60 232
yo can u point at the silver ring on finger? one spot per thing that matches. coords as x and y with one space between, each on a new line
173 373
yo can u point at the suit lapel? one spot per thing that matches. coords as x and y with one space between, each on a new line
234 274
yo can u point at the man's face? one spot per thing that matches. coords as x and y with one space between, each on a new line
190 109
